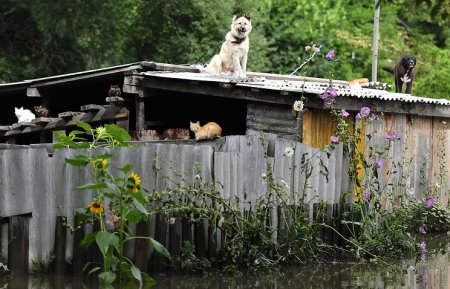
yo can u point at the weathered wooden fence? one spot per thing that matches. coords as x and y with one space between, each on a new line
36 186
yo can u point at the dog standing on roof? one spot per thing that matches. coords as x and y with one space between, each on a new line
404 72
232 59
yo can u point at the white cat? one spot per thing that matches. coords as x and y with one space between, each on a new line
24 115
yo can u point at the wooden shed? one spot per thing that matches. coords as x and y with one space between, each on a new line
158 96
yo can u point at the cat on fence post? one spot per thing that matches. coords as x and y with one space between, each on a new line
210 130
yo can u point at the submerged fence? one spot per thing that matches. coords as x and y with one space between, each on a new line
37 187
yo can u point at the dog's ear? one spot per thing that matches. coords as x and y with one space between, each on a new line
240 14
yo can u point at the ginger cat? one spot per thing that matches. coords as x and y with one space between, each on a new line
211 130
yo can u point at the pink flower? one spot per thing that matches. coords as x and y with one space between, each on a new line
423 245
333 92
429 201
308 48
393 136
345 113
365 111
112 222
378 162
330 55
422 230
334 139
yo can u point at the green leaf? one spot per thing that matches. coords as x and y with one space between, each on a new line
148 281
103 156
106 278
140 207
80 160
137 274
106 239
81 215
88 239
139 197
84 125
126 169
92 186
113 189
134 216
118 134
160 248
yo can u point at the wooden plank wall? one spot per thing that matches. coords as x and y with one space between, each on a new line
39 185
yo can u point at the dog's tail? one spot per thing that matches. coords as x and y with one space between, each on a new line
388 69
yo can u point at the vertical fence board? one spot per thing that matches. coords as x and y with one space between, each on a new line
60 246
18 248
142 246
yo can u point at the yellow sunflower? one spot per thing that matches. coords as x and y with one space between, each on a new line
100 164
134 182
96 207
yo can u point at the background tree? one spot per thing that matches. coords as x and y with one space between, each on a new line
42 38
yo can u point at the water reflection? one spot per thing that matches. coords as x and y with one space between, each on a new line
407 274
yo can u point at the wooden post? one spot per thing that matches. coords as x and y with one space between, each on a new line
18 248
142 246
200 239
79 254
175 230
158 260
140 111
60 246
376 25
212 239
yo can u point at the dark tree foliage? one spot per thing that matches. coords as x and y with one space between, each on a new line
42 37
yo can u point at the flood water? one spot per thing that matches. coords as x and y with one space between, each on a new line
433 273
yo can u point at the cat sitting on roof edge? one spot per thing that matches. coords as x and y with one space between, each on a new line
24 115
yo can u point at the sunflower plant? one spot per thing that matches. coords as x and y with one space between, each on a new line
116 203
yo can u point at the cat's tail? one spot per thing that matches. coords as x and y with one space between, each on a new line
388 69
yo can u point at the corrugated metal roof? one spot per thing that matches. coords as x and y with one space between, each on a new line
307 85
87 74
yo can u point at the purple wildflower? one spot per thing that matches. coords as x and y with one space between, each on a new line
422 230
365 111
333 92
374 117
423 257
424 279
334 139
328 104
325 95
393 136
423 246
345 113
358 116
367 197
378 162
330 55
429 201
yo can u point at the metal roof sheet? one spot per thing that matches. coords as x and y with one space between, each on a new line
307 85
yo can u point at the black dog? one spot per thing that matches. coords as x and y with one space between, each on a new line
404 72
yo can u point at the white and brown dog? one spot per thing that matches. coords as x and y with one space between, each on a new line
232 59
